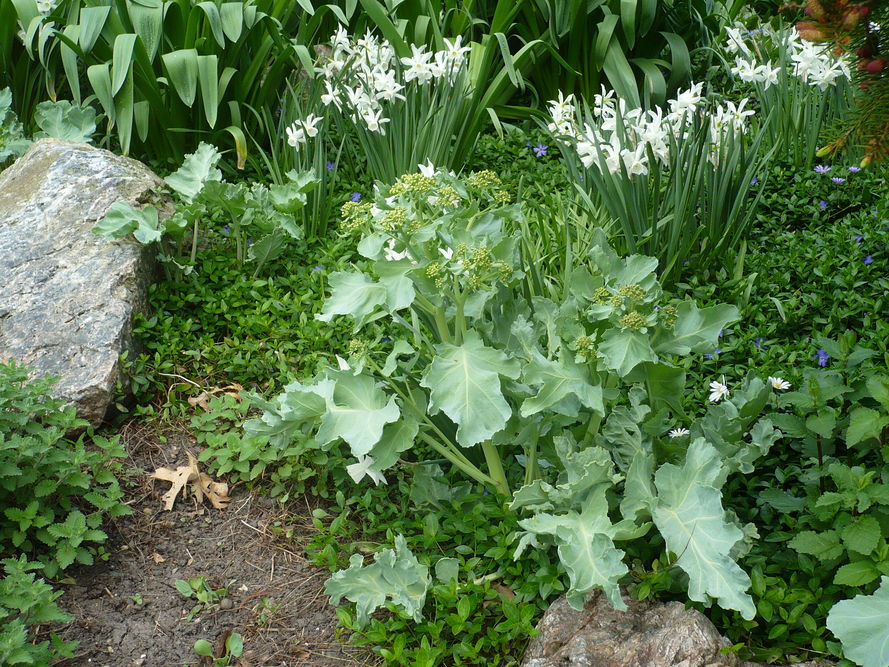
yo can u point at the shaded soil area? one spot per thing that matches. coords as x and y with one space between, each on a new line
128 610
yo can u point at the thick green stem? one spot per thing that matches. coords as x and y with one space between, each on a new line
460 462
441 324
495 468
460 323
194 243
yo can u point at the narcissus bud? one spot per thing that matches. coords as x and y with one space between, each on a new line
824 152
866 161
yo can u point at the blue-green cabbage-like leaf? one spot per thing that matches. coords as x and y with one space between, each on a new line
692 521
395 575
862 626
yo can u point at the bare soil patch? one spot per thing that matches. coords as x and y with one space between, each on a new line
128 611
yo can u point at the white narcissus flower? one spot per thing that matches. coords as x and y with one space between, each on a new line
427 170
342 363
447 253
718 390
418 65
310 125
391 255
679 432
374 122
357 471
779 383
296 136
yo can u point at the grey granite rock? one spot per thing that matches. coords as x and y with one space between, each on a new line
648 634
67 297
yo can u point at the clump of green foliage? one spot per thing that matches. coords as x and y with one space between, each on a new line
54 490
25 602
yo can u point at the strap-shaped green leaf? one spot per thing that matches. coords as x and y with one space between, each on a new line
215 20
182 68
232 16
691 519
464 383
147 17
92 20
209 81
100 78
122 60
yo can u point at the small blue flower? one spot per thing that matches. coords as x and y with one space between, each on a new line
331 165
868 260
822 169
355 196
822 204
754 181
707 355
318 267
226 230
822 358
527 144
854 170
249 242
858 237
837 179
540 150
759 345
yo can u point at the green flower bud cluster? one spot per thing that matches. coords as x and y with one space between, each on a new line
668 315
632 292
417 183
585 346
358 348
633 320
601 296
355 215
395 219
485 180
448 196
435 272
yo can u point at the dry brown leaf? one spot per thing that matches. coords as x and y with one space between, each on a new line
157 558
202 484
203 399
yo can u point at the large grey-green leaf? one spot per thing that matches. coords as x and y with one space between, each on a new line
63 120
585 547
690 517
558 380
395 574
464 383
286 415
624 349
861 625
197 168
122 219
354 294
357 411
696 329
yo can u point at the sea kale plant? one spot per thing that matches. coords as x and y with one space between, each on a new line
570 408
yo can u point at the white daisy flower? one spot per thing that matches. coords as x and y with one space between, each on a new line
678 432
779 383
718 390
